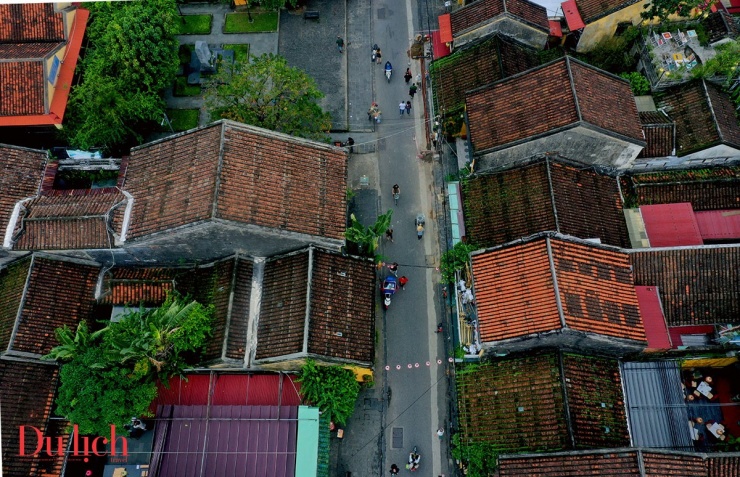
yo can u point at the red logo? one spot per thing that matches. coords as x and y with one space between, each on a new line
84 446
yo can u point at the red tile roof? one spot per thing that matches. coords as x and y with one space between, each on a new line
340 310
704 117
10 51
592 10
697 285
58 293
673 464
30 22
582 464
239 173
515 287
70 221
660 134
133 286
519 403
724 466
483 11
12 283
651 312
566 92
19 95
481 64
546 195
720 192
21 171
27 396
669 225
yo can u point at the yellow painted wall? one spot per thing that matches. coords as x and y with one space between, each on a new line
47 68
360 373
708 362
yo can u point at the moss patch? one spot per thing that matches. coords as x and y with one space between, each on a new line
262 22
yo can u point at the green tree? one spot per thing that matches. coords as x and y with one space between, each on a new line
662 9
94 396
454 260
270 94
481 458
638 83
111 374
132 57
367 238
332 389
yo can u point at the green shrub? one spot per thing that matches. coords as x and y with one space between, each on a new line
241 52
194 24
261 22
332 389
183 119
454 260
639 84
184 52
182 88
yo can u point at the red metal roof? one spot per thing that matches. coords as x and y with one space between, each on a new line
719 224
572 16
670 225
677 331
651 312
555 28
445 28
439 46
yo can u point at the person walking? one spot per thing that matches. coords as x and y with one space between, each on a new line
403 281
340 43
440 432
408 75
389 235
402 107
408 107
412 91
394 469
378 56
393 267
372 110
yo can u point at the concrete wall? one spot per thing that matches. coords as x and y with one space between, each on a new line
567 340
579 144
721 150
508 26
605 27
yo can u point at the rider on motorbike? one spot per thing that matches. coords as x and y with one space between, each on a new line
396 192
388 70
414 459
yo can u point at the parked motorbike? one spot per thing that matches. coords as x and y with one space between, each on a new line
388 70
390 286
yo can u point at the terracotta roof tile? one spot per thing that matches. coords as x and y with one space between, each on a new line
266 179
281 182
592 10
30 22
58 293
21 171
483 11
133 286
616 464
12 283
27 394
606 101
659 134
236 341
283 313
515 404
173 181
20 96
21 51
696 285
484 63
515 292
659 464
342 303
694 107
703 194
721 466
519 202
595 401
75 221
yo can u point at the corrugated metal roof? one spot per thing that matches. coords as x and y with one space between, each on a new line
655 405
307 450
719 224
651 312
445 28
555 28
671 225
572 15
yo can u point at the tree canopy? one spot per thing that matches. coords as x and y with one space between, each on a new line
332 389
131 58
270 94
111 374
662 9
367 238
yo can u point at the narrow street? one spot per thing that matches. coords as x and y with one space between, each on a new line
417 407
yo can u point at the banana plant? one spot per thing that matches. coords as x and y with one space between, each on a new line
73 344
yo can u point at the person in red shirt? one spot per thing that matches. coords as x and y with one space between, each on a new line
403 281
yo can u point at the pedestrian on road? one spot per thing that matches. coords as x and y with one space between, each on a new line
393 267
403 281
389 235
408 107
378 55
340 43
412 91
408 75
394 469
402 107
418 79
372 110
440 432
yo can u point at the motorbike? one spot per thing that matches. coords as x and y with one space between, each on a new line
419 222
414 459
388 70
375 53
390 286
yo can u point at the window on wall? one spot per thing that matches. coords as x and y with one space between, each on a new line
54 70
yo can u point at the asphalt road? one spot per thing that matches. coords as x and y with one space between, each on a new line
418 400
